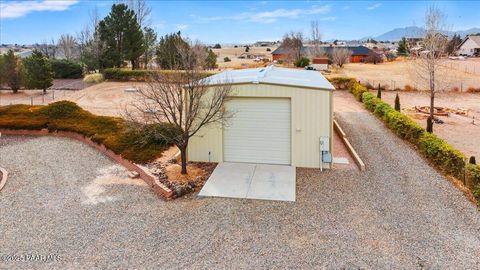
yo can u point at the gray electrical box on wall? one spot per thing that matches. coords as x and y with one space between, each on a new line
325 143
325 155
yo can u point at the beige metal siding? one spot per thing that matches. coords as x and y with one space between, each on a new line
311 118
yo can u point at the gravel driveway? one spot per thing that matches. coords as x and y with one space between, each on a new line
64 198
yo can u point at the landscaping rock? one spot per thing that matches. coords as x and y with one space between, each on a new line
133 174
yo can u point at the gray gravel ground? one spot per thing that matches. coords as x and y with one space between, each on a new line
399 214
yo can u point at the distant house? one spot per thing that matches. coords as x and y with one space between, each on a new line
470 46
264 43
359 53
414 42
320 63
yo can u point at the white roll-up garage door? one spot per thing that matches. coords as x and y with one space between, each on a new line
259 131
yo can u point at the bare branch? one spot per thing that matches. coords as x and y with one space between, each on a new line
183 98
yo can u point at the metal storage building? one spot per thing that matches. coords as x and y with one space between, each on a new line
279 116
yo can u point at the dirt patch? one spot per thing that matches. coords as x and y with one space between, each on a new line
174 173
169 174
96 191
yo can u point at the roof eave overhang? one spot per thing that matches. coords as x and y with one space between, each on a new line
280 84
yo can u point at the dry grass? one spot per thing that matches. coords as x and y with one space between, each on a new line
174 173
399 73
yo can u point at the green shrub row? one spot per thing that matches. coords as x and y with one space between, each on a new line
139 146
439 152
121 74
66 69
357 90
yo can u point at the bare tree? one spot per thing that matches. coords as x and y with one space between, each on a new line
316 40
341 56
141 9
67 44
182 98
293 45
49 49
428 69
89 43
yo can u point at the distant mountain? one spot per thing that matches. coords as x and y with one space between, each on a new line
414 31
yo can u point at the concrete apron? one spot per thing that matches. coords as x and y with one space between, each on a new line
251 181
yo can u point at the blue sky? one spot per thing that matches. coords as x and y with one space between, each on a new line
27 22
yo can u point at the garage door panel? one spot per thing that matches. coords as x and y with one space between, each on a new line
259 131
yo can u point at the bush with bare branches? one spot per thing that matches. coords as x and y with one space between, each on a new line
341 56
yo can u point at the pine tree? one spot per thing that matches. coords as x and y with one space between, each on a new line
402 48
168 55
11 71
121 37
453 44
38 71
397 103
211 60
150 39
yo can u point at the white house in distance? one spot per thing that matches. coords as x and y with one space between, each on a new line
470 46
280 116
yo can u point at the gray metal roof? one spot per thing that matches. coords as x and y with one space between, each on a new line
273 75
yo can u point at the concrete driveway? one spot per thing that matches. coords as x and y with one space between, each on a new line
251 181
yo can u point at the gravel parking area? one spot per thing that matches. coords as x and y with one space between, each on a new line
65 198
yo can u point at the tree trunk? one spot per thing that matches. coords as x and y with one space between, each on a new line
430 124
15 90
432 103
44 91
183 155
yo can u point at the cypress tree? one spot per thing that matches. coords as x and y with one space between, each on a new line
397 103
379 92
472 160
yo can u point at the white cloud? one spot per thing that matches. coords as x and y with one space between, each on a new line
270 16
181 26
17 9
158 24
374 6
330 18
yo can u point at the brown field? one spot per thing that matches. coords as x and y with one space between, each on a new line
458 130
106 98
60 89
402 72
